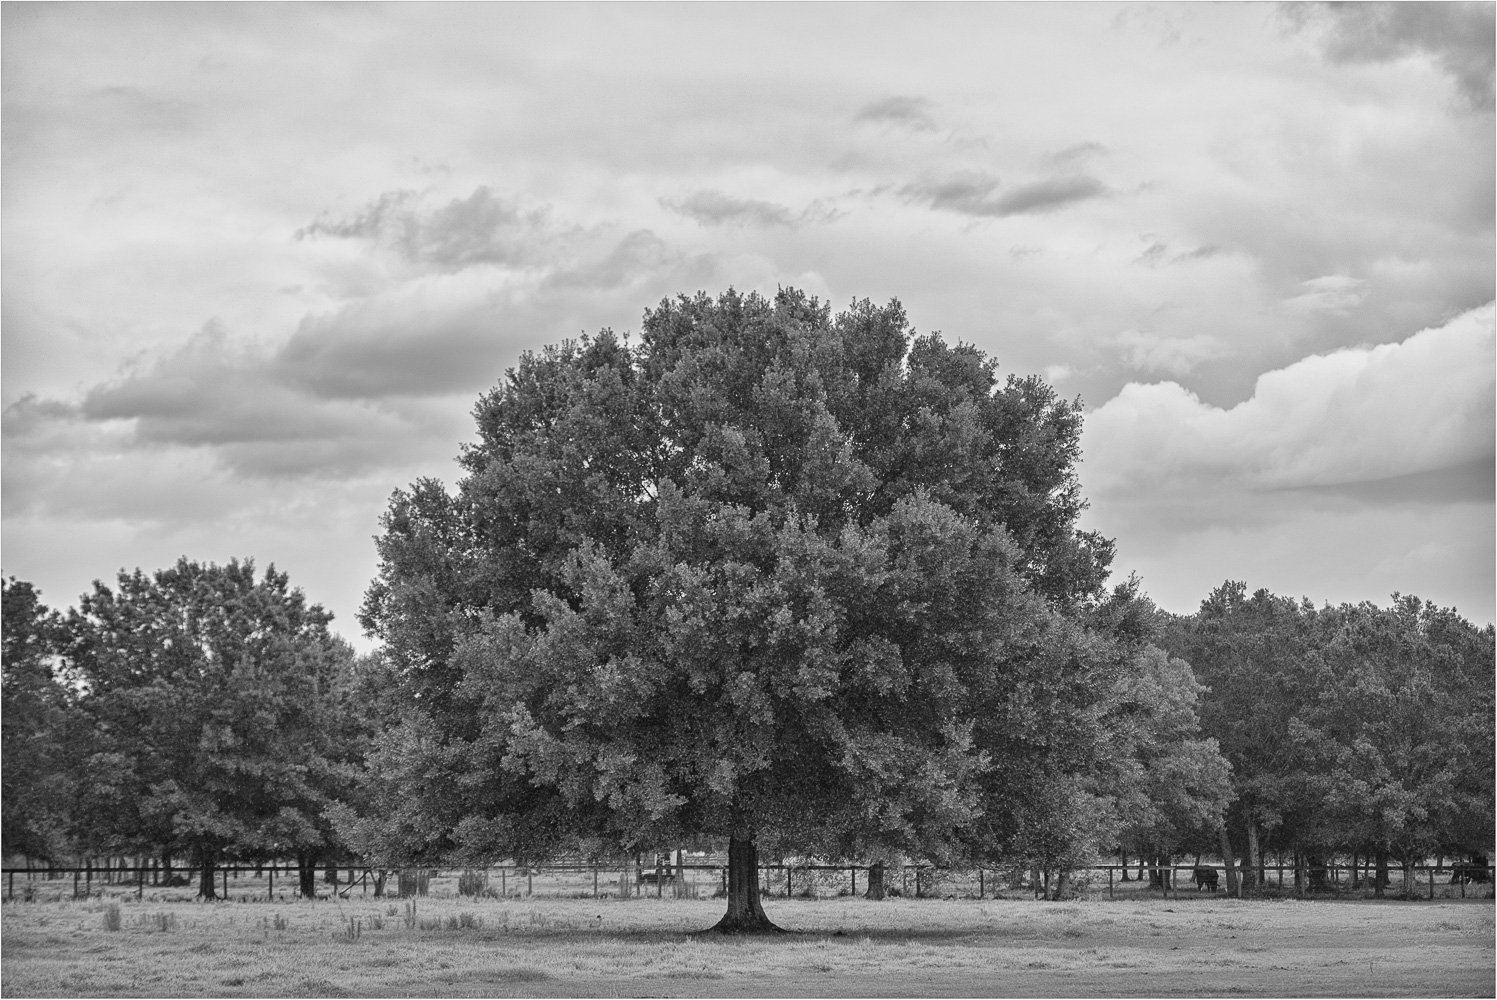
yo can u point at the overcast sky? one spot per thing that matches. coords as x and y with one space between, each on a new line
259 261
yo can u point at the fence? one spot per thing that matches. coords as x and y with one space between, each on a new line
694 880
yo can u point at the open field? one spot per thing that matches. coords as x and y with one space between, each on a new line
1200 946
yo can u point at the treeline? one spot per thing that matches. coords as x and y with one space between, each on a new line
204 715
1351 731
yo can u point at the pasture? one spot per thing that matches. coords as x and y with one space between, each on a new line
363 946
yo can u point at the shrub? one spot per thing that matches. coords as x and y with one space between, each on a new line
472 883
161 922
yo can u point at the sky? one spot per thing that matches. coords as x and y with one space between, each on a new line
258 262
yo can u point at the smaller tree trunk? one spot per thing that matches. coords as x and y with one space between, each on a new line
1233 887
875 881
306 871
1380 878
1253 875
206 873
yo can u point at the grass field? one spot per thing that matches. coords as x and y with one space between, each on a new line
1195 946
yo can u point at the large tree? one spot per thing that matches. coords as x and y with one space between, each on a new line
791 581
213 699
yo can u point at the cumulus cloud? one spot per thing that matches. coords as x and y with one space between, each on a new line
910 112
229 399
1159 253
1352 416
714 208
479 229
1175 355
1334 293
1457 37
976 194
378 383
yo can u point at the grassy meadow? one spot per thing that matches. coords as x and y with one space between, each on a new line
363 946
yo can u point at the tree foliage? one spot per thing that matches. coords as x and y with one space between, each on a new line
37 726
1352 728
781 578
213 703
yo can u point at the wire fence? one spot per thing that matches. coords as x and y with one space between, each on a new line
708 879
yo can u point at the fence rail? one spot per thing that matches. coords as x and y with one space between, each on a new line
692 878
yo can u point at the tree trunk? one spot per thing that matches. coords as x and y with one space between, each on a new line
875 881
206 874
1252 877
1123 857
1299 874
166 869
307 875
379 884
1228 862
1408 875
1062 883
745 911
1380 878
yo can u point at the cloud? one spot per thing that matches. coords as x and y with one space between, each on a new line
230 399
973 194
1456 36
478 229
377 384
436 335
714 208
1353 416
1077 153
1052 193
910 112
1334 293
1158 253
1175 355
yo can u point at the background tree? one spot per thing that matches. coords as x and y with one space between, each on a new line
213 703
790 581
36 726
1170 785
1400 736
1250 652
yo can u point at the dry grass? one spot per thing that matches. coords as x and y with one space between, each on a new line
535 947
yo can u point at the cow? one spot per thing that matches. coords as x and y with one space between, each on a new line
1205 877
1462 873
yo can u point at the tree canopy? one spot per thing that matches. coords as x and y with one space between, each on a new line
211 703
771 576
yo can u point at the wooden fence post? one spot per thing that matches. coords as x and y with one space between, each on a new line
980 887
270 892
